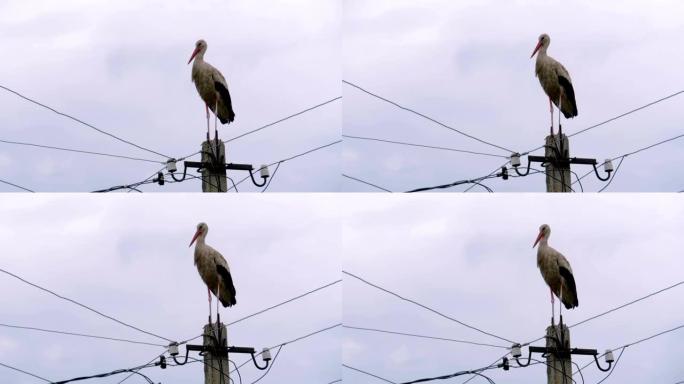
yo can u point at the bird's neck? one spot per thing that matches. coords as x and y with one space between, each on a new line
200 241
199 58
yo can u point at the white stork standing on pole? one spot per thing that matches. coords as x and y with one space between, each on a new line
556 271
555 80
212 87
214 270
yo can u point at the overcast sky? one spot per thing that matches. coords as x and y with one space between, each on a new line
141 271
122 66
468 65
472 259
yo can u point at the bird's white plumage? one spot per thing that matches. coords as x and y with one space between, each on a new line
211 85
553 266
209 263
554 79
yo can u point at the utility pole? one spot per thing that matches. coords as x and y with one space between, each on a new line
557 151
215 351
216 368
213 168
557 162
214 176
558 363
559 354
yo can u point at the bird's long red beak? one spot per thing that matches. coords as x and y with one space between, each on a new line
541 234
539 44
193 54
195 237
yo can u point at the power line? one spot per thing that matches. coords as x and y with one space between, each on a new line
82 122
284 118
269 366
614 366
269 180
368 373
628 113
476 181
146 364
616 117
80 334
133 371
426 307
637 151
492 363
426 117
612 177
335 381
25 372
271 124
490 173
81 305
15 185
292 158
477 372
290 342
425 337
650 337
423 146
622 347
79 151
274 306
133 185
285 302
616 308
366 182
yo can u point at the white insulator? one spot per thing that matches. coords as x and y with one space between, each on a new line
173 349
609 356
515 351
171 165
608 165
266 354
264 170
515 160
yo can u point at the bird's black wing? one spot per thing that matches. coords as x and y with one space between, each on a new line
228 283
569 92
225 96
570 282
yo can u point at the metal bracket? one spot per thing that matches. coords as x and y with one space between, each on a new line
560 163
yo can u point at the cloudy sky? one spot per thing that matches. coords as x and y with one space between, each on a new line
141 272
122 67
472 259
467 64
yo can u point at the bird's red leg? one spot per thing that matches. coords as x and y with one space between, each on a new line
551 108
552 309
218 290
560 128
560 305
209 296
216 123
206 108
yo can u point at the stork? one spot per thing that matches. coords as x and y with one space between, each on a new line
213 269
212 87
556 271
556 82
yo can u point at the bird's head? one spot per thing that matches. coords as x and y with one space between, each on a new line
202 230
544 41
544 233
200 46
